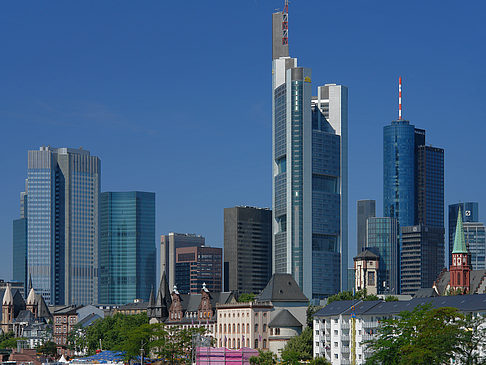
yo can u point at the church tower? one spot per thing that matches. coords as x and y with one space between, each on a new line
460 269
7 310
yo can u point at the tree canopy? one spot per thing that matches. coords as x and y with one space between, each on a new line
348 295
246 297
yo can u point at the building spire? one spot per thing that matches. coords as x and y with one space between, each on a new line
7 296
285 24
459 240
400 98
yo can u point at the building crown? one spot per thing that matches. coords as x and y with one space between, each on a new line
459 240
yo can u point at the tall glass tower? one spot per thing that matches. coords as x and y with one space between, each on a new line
127 250
62 224
310 163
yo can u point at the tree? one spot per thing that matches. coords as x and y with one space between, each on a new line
311 310
319 361
425 335
246 297
299 347
264 358
391 298
8 340
472 341
48 348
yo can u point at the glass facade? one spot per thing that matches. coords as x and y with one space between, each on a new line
365 210
19 263
469 212
127 250
62 224
474 233
399 172
382 239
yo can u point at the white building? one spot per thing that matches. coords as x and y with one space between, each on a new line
342 327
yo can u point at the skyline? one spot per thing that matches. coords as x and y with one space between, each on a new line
60 95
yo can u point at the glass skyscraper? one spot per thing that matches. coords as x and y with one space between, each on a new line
469 212
382 239
19 230
62 224
365 210
310 179
474 234
127 252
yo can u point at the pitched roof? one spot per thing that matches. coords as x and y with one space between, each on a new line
284 319
282 288
7 296
459 241
425 293
190 302
367 254
336 308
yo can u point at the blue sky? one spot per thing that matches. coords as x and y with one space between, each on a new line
175 97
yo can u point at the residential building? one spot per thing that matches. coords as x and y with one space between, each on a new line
382 240
63 186
310 173
422 257
127 250
168 245
65 320
475 237
342 327
365 210
198 266
470 213
247 249
138 306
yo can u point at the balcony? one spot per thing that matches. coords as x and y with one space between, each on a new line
373 324
345 325
345 338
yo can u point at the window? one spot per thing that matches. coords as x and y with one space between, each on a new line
256 327
371 278
264 327
335 344
317 332
256 344
264 344
335 332
317 344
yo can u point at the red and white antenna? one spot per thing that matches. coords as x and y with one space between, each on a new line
285 24
400 98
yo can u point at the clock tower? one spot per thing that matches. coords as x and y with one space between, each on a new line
460 269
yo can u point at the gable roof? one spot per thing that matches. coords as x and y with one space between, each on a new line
282 288
284 319
190 302
367 254
336 308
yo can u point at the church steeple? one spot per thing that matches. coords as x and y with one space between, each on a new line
460 269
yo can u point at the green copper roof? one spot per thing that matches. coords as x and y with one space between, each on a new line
459 241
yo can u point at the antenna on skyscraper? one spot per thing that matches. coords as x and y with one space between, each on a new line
285 23
400 98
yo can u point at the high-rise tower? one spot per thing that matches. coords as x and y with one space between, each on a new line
62 224
310 162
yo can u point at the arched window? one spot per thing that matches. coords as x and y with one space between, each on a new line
238 328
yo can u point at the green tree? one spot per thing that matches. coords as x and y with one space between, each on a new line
425 335
472 340
246 297
391 298
348 295
48 348
299 347
319 361
311 310
9 341
264 358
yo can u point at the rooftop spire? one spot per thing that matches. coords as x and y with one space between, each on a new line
285 24
7 297
399 98
459 240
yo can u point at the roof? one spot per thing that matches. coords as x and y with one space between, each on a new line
459 241
7 296
284 319
31 298
475 279
25 316
70 309
89 319
335 308
190 302
367 254
464 303
130 306
282 288
425 293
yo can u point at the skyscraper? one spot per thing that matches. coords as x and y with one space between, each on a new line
475 236
310 179
365 210
197 266
62 224
127 251
470 213
247 249
413 190
168 245
382 240
19 236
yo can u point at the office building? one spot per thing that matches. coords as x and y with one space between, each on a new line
197 266
247 249
422 257
382 240
470 213
168 245
310 178
62 224
474 233
365 210
127 250
19 240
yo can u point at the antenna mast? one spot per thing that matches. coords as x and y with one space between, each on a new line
400 98
285 24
